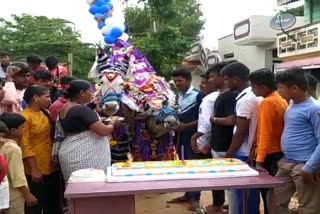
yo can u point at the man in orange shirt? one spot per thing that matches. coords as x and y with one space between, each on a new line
270 123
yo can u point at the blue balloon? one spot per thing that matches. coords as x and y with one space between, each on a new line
97 16
101 25
116 32
109 4
94 9
104 9
109 39
99 2
107 1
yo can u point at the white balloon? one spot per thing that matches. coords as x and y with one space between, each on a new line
124 37
90 2
106 30
109 21
119 19
122 27
115 22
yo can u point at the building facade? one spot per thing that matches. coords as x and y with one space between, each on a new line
302 48
253 42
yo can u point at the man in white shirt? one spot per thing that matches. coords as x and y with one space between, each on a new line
236 76
200 141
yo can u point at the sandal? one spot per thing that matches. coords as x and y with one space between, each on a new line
200 211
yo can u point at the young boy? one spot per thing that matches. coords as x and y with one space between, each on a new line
300 167
45 79
312 86
270 124
221 130
56 70
4 63
34 64
200 141
19 192
236 76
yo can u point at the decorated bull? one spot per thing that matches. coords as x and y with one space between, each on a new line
129 87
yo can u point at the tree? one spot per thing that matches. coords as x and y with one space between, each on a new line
297 11
164 30
41 35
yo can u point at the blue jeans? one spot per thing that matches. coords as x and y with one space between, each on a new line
235 198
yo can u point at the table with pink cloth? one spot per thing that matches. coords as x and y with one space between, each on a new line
119 198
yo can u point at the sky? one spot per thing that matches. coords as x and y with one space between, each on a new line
220 15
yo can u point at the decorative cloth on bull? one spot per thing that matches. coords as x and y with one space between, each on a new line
148 148
165 113
117 61
144 92
120 141
127 79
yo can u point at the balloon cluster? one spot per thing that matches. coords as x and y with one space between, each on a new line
110 23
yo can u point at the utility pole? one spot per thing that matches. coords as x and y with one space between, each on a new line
70 61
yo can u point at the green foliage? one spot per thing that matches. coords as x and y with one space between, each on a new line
298 11
177 25
138 20
41 35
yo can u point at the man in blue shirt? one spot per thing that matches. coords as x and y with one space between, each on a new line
300 167
188 101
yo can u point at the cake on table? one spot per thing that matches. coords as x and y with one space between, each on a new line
177 169
87 176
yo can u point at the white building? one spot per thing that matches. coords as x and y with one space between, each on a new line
253 42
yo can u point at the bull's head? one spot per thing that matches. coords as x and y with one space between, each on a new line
111 84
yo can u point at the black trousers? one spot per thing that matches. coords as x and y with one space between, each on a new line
218 197
48 194
271 165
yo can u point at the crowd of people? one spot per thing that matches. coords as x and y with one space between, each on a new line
47 131
51 127
269 121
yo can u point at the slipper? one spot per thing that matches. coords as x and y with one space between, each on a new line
214 210
199 211
178 200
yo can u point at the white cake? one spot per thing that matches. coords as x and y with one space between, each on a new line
170 170
87 176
